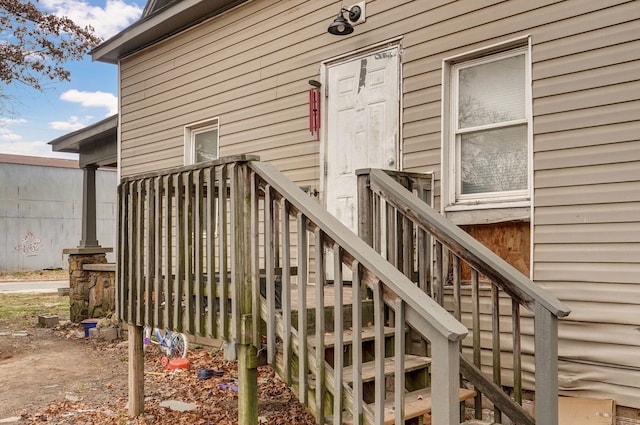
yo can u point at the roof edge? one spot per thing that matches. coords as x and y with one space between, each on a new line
38 161
166 21
71 142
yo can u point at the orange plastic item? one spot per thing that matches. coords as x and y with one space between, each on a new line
180 363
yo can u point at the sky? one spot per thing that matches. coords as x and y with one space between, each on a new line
34 118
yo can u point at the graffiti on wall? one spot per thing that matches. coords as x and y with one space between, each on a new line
30 245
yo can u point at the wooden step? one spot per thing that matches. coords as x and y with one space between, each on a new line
416 404
367 334
411 363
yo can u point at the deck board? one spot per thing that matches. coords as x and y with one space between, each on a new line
347 336
411 363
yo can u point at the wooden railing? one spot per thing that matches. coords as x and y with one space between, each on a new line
175 256
195 244
308 232
464 270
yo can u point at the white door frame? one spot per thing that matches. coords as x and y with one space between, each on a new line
324 75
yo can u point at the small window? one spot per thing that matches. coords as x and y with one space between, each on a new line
201 142
489 124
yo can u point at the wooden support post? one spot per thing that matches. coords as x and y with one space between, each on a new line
136 371
546 346
444 381
243 320
247 375
365 208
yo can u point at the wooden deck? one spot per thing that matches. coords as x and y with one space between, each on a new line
265 229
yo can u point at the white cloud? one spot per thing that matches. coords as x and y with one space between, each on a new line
6 133
97 99
13 143
106 21
37 148
74 123
9 121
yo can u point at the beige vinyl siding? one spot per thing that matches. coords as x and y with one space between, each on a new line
587 199
262 109
250 67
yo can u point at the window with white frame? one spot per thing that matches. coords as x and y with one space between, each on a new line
201 142
489 120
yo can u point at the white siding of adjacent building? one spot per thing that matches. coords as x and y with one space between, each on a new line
41 211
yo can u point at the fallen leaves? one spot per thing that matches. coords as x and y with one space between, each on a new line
216 397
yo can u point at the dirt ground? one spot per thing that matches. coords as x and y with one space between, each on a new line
57 376
48 366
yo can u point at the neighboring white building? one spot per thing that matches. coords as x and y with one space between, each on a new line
41 211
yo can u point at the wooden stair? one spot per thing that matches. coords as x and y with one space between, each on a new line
411 363
367 334
416 404
418 396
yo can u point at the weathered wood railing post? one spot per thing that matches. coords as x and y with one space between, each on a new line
546 363
365 208
136 371
445 381
242 319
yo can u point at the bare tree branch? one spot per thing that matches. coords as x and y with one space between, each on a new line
35 45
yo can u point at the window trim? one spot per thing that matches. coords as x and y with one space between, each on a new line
451 200
190 133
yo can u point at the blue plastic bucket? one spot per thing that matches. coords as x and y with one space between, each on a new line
89 324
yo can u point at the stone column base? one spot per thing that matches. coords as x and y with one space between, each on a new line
91 292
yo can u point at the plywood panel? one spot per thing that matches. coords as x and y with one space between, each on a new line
510 241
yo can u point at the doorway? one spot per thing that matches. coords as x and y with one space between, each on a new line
363 122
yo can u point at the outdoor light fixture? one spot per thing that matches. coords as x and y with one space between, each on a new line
342 26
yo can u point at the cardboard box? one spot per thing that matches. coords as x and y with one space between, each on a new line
586 411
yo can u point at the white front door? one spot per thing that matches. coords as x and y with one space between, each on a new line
362 126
